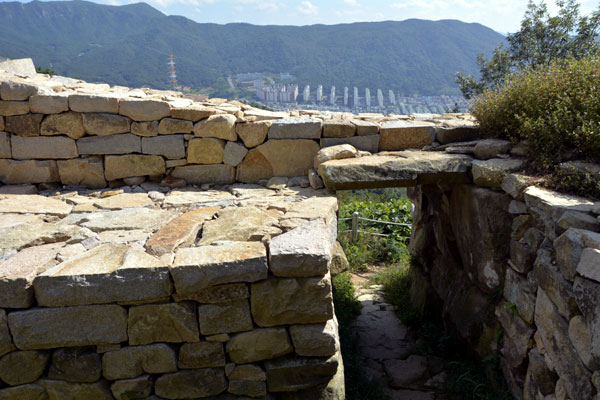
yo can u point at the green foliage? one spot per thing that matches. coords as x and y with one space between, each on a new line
48 71
130 45
396 286
555 108
572 180
389 205
542 40
473 380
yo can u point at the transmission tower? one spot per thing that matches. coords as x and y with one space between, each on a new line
172 73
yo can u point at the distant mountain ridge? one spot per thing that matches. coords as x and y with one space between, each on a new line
129 45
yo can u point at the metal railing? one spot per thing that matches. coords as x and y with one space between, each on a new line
355 231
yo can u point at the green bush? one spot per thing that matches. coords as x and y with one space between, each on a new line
555 108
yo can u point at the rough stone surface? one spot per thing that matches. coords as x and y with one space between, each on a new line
285 157
74 391
43 147
75 364
234 153
253 133
115 144
93 103
295 128
5 150
194 112
87 172
28 171
6 344
236 224
9 108
24 392
68 123
515 184
136 388
578 220
144 110
315 340
517 336
338 128
202 174
21 367
131 362
555 204
581 338
339 262
288 374
490 148
48 104
201 267
169 126
401 135
24 125
12 90
171 147
103 124
148 128
555 286
206 151
291 301
589 264
45 328
201 355
490 173
217 294
225 317
189 384
259 344
368 143
520 292
587 294
335 153
220 126
248 372
365 128
117 167
171 323
126 219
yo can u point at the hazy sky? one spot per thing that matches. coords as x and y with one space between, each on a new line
500 15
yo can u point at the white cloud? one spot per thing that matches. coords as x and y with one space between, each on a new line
308 8
352 3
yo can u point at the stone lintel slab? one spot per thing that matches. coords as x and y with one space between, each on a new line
105 274
404 168
295 128
47 328
200 267
555 204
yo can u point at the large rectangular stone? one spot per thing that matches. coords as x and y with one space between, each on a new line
114 144
93 103
200 267
171 323
295 128
117 167
42 147
368 143
49 104
259 344
289 373
130 362
401 135
171 147
104 124
24 125
5 151
19 91
88 172
14 172
47 328
109 273
227 317
144 109
338 129
8 108
292 301
6 344
217 174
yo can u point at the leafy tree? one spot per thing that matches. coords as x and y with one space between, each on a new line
542 40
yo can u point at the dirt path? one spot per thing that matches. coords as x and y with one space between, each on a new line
386 346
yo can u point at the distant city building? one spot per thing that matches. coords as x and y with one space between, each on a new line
346 96
278 94
306 93
368 97
250 76
332 96
392 98
379 98
258 84
285 76
356 104
319 93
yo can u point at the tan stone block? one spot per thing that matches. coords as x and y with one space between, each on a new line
117 167
137 388
5 150
24 125
69 390
217 294
201 355
236 224
234 153
258 345
253 133
365 128
171 147
338 128
46 328
30 171
205 151
190 384
48 104
24 392
254 167
296 128
147 128
338 152
248 372
289 157
217 174
193 112
400 135
68 123
93 103
42 147
171 323
8 108
6 344
20 367
75 364
12 90
115 144
181 231
103 124
130 362
225 317
296 373
124 200
316 340
220 126
1 123
169 126
88 172
131 219
144 109
312 304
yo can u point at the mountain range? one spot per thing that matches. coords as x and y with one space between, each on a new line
130 45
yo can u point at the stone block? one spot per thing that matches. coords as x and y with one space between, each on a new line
368 143
234 153
490 173
247 388
587 294
20 66
205 151
515 184
539 379
298 373
1 123
105 274
518 333
217 294
24 125
192 112
589 264
115 144
43 147
456 134
338 129
247 372
118 167
291 301
201 355
366 128
9 108
46 328
295 128
170 147
239 224
221 126
17 91
5 150
254 168
227 317
131 362
200 267
521 292
24 392
555 286
206 382
401 135
128 219
338 152
287 157
144 109
171 323
581 338
578 220
88 172
216 174
21 367
555 204
316 340
6 344
302 252
48 104
93 103
253 133
75 364
147 128
569 247
103 124
339 262
68 390
491 148
258 345
68 123
169 126
136 388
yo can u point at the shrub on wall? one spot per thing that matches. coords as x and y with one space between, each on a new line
555 108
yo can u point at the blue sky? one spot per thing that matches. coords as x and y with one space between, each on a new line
501 15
